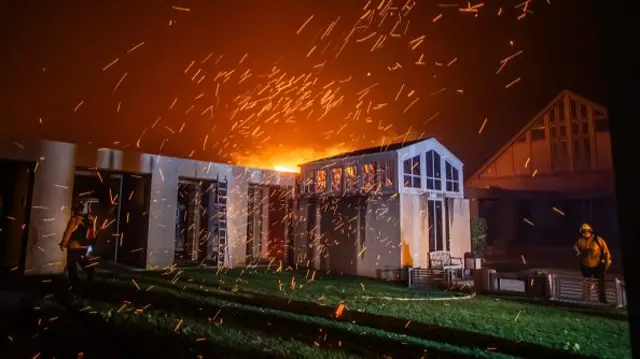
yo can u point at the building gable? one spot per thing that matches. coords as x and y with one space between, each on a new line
566 135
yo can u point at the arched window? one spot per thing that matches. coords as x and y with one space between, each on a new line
434 175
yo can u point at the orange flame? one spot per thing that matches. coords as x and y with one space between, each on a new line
288 160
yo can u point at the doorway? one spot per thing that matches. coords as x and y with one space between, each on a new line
435 212
257 199
267 223
120 202
195 221
16 189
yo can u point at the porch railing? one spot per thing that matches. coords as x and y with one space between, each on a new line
585 290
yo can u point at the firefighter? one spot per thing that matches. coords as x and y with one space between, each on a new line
595 258
77 238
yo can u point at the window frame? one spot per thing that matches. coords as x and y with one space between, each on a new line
386 177
332 187
415 162
437 171
370 179
316 181
454 180
352 187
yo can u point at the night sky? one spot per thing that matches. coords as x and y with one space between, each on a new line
293 96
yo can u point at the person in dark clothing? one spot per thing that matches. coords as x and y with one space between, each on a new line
595 258
78 236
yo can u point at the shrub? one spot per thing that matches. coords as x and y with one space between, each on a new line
478 236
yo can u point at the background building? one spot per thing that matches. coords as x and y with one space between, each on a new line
553 175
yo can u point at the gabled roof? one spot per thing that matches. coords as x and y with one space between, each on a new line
369 151
530 124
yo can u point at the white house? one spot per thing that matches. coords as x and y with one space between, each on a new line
152 210
360 209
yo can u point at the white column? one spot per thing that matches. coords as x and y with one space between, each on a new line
237 206
51 202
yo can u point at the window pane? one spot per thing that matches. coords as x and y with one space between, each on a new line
573 109
406 164
416 166
369 176
456 186
438 185
417 182
456 173
407 181
336 179
561 111
574 128
449 186
538 134
430 183
583 111
563 131
351 173
386 174
321 180
585 128
553 132
552 116
429 163
436 164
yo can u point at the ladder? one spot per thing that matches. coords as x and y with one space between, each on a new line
221 214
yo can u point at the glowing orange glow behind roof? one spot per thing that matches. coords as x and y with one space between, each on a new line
288 160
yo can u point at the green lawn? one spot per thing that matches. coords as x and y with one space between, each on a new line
552 327
216 333
307 336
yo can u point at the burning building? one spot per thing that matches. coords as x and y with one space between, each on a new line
152 210
358 210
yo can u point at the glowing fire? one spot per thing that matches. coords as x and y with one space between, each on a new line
287 160
286 169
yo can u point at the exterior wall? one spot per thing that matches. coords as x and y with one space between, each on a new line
53 182
382 246
603 157
459 229
414 227
53 187
300 235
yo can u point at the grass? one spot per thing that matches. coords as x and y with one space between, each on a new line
551 327
197 310
206 332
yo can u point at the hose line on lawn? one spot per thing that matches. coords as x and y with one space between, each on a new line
469 296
